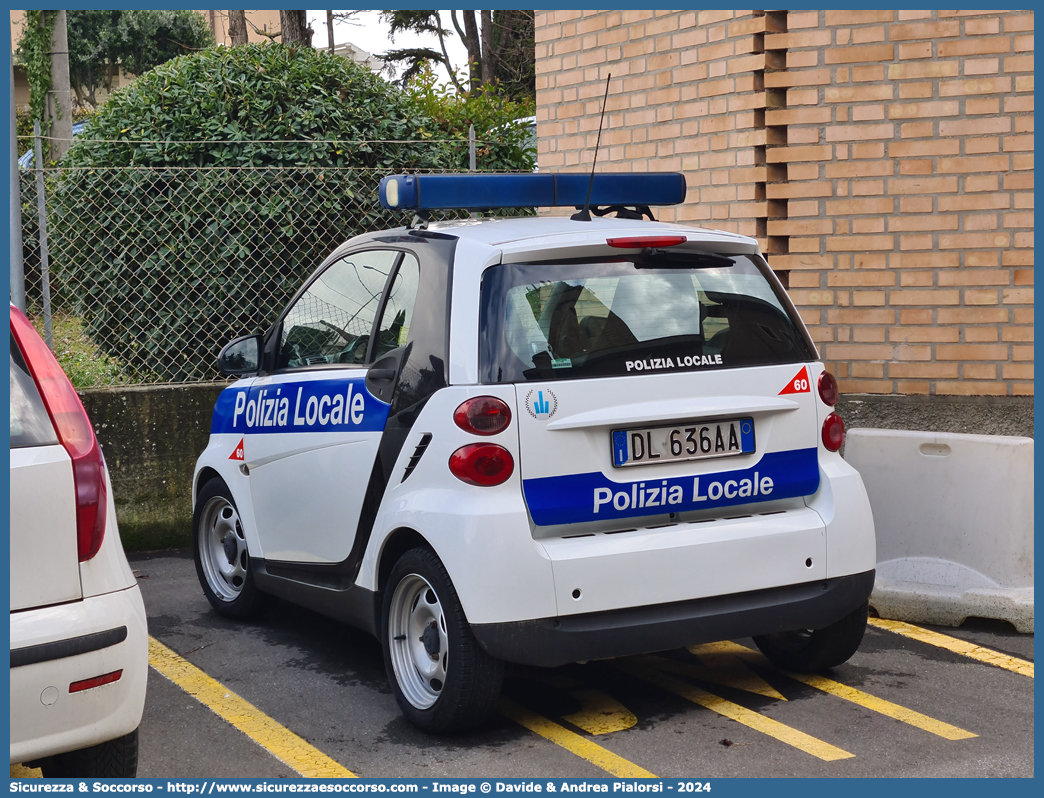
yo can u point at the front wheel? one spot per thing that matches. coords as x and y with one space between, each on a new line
441 677
807 650
219 548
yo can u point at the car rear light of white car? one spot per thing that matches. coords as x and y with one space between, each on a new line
96 681
833 432
74 431
828 389
483 464
483 415
641 242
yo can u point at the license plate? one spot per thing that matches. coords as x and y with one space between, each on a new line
693 441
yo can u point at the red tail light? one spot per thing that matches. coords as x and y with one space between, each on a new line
640 242
97 681
484 464
828 388
483 415
833 432
74 432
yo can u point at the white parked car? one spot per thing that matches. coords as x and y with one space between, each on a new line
537 440
79 644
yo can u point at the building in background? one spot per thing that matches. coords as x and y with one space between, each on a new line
883 159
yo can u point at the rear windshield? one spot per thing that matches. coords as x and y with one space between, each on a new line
574 320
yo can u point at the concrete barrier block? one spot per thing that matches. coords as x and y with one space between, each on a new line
954 521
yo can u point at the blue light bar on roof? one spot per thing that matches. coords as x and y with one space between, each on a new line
474 192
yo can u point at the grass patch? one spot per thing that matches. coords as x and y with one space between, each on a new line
81 359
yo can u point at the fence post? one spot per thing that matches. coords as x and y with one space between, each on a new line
41 212
17 266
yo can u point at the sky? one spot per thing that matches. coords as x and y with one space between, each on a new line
371 34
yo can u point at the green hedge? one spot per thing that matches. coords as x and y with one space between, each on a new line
166 264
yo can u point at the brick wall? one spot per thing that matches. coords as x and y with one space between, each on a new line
884 160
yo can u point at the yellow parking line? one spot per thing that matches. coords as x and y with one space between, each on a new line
572 742
748 717
858 697
278 740
882 706
600 713
957 646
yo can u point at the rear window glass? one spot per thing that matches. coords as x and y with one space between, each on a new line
595 319
30 424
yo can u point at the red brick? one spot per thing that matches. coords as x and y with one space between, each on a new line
970 389
1014 24
965 47
971 352
915 50
859 243
1018 296
923 110
974 240
973 316
1013 371
932 298
932 147
923 185
850 55
930 371
811 77
918 71
923 30
857 17
860 169
960 88
980 183
868 205
797 39
859 132
924 260
867 74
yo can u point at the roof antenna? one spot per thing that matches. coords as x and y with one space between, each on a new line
585 214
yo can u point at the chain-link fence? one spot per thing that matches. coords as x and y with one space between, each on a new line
152 270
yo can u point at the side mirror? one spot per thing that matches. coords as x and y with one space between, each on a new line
241 356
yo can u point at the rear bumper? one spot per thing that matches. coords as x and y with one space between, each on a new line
550 642
51 648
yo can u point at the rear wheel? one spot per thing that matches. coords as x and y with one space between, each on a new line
442 679
220 551
806 650
114 759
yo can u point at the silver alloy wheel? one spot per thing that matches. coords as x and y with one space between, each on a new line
222 548
418 641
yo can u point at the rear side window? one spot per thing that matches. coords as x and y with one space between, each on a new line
610 318
30 424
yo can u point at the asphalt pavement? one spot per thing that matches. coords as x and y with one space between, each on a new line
901 707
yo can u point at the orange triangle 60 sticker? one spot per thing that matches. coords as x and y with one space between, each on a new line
238 453
800 383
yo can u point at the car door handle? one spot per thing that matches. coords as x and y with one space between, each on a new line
380 374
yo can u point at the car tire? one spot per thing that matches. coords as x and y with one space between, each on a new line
114 759
442 678
219 549
809 650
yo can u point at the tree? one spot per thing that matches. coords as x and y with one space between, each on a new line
499 45
294 25
237 30
101 42
169 263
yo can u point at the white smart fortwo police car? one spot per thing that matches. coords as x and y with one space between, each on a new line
537 440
